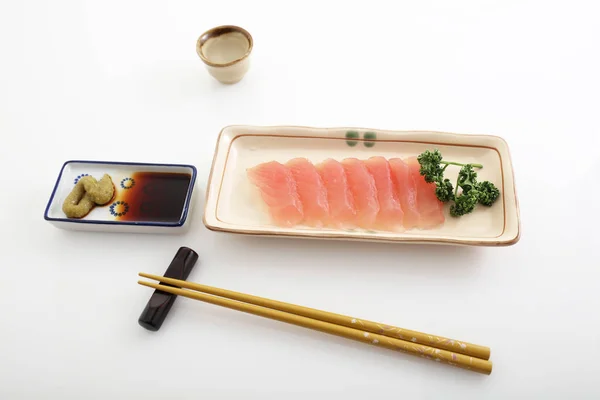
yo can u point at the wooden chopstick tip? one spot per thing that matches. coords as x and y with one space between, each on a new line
147 275
150 284
144 283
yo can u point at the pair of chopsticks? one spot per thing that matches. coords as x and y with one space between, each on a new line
448 351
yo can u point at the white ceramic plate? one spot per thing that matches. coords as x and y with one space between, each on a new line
234 205
143 200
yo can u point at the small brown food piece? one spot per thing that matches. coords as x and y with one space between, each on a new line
86 194
102 191
77 204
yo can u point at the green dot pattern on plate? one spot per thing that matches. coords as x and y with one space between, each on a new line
351 135
369 137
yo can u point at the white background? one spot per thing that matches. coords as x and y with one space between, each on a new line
120 80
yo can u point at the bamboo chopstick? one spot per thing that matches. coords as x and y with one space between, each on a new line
440 355
439 342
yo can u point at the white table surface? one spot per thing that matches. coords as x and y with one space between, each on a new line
119 80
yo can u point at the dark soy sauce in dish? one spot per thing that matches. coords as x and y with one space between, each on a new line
153 197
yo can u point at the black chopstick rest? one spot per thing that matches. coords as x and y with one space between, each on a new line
160 302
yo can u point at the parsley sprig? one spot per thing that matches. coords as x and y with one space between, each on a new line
472 193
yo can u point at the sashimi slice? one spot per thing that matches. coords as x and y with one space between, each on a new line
363 189
391 215
311 191
342 212
430 207
278 190
406 189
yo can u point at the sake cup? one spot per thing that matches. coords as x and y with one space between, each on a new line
225 51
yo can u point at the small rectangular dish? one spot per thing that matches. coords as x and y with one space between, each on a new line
122 197
234 205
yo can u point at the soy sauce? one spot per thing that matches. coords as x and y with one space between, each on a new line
152 196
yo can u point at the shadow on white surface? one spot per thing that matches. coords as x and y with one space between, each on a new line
178 83
313 253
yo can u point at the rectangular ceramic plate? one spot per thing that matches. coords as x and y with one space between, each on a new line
234 205
134 193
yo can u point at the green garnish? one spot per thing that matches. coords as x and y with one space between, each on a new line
488 193
472 192
467 178
464 204
444 190
430 166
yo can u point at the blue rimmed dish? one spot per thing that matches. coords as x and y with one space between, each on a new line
147 197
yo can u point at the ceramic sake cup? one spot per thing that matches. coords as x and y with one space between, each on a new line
225 51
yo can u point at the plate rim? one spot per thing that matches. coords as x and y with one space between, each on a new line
265 232
177 224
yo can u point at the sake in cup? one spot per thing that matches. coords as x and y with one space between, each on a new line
225 51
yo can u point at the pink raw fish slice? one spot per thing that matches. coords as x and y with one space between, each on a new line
407 192
363 189
342 212
391 215
278 190
311 191
430 207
